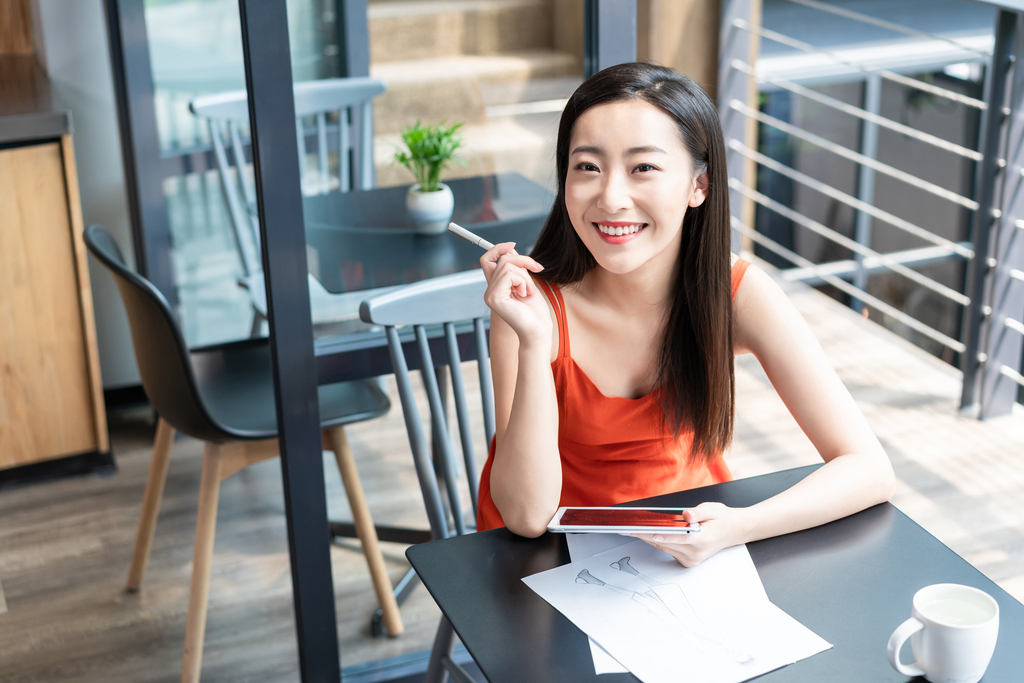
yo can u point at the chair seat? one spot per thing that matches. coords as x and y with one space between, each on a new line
238 389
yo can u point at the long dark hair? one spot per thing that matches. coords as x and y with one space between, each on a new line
695 370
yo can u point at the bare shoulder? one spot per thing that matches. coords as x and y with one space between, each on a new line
762 313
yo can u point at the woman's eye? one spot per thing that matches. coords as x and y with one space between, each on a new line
585 166
644 168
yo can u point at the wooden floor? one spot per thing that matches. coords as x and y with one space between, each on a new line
65 546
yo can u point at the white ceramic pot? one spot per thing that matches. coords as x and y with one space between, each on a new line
430 211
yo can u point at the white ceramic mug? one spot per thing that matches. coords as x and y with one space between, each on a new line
952 633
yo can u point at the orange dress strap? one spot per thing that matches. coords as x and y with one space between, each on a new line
554 294
738 269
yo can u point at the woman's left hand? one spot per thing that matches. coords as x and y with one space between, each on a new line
720 527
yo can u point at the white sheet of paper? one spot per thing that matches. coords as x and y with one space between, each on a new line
713 621
582 546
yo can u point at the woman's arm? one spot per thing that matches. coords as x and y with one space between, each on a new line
526 474
857 473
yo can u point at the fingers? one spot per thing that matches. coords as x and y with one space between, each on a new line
489 261
703 512
505 253
508 272
664 539
684 554
520 284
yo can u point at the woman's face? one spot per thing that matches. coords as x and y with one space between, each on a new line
629 183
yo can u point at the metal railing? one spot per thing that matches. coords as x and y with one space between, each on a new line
988 303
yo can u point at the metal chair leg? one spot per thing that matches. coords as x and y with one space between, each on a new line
256 329
441 663
444 645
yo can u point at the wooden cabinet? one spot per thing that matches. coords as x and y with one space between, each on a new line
51 397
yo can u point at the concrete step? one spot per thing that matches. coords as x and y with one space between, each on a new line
402 30
460 88
527 92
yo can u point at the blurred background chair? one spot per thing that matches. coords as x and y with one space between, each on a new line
339 112
455 304
225 396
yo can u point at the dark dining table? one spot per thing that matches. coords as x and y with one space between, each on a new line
361 242
365 240
850 581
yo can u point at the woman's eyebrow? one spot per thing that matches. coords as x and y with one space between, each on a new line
587 149
645 149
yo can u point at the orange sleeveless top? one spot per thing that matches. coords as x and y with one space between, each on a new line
613 449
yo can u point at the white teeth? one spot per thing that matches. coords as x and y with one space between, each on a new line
619 230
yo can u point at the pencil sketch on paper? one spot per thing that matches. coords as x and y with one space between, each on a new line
658 620
668 603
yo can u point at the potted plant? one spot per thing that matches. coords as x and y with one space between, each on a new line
429 151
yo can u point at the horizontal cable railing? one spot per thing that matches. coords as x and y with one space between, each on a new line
882 23
858 112
851 276
851 201
1005 370
903 176
849 289
884 73
845 241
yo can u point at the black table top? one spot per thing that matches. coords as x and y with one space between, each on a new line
363 240
850 581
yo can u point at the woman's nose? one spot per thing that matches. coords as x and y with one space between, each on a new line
614 194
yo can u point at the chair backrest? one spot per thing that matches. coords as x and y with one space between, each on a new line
441 303
317 103
160 351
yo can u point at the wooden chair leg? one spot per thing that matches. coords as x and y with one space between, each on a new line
151 503
363 523
206 523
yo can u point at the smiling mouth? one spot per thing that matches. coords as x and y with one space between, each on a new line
619 228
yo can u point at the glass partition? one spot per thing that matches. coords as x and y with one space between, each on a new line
504 70
196 49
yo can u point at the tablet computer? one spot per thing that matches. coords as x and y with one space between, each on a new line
621 520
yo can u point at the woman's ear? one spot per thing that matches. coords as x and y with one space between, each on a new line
700 189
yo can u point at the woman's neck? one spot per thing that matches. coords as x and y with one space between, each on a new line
645 289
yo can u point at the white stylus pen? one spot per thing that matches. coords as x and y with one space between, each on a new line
457 229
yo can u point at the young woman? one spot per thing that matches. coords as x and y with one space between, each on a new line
633 268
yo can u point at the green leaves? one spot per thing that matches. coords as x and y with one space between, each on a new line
430 149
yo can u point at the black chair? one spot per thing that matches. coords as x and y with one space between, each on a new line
448 303
225 397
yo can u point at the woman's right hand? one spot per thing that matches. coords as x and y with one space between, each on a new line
513 295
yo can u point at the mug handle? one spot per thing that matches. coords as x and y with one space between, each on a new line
896 640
